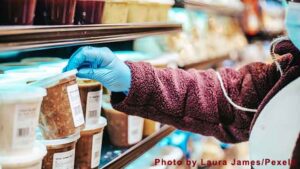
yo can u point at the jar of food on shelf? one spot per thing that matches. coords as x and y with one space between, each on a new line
32 159
19 115
55 12
150 127
89 12
123 130
115 11
158 10
17 12
88 147
137 11
91 98
61 111
60 152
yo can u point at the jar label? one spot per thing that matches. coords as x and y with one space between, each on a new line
157 126
64 160
26 120
93 107
75 102
135 129
96 149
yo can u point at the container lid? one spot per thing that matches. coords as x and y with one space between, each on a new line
166 2
83 82
7 79
53 80
21 160
102 122
40 59
58 142
14 92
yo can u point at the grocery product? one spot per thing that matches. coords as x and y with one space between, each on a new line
29 74
150 127
124 130
29 160
115 11
91 97
89 11
61 111
88 147
55 12
60 153
17 12
19 112
158 10
137 11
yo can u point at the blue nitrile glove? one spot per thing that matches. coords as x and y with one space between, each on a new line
102 65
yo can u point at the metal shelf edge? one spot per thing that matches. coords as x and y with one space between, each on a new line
140 148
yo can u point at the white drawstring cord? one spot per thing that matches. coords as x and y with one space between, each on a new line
274 55
229 99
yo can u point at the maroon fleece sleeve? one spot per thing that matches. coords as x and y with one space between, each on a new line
193 100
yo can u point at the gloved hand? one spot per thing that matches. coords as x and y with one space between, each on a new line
102 65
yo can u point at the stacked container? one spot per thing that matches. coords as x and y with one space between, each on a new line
17 12
88 148
55 12
89 11
19 112
158 10
61 111
115 11
123 130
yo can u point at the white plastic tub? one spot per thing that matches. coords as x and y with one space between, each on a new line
60 152
61 110
115 11
88 147
30 160
19 113
123 130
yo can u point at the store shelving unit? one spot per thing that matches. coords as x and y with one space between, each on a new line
24 38
129 155
32 38
214 8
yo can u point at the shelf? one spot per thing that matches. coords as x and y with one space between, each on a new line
44 37
207 63
214 8
128 155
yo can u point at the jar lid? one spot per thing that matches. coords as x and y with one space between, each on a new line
13 92
22 160
53 80
83 81
102 122
8 79
58 142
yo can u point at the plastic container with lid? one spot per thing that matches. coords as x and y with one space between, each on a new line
61 111
60 152
19 113
137 11
91 98
88 147
115 11
123 130
89 11
17 12
158 10
55 12
150 127
41 60
32 159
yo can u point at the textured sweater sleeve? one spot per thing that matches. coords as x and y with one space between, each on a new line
193 100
